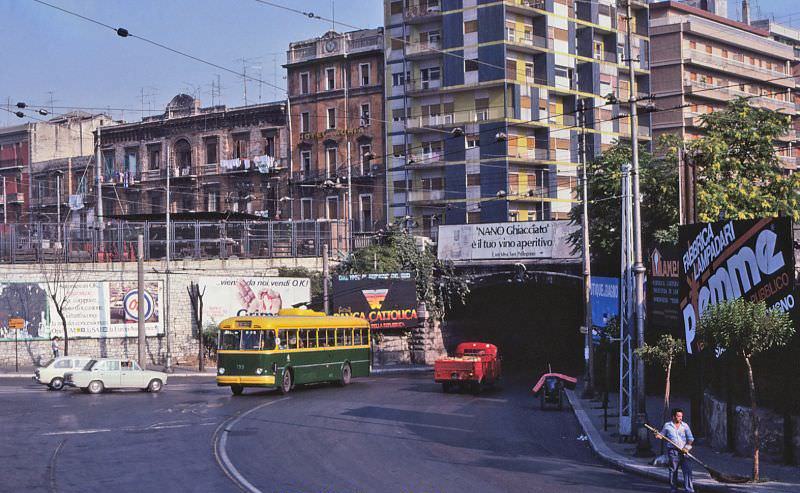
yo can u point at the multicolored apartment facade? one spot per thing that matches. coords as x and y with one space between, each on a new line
483 99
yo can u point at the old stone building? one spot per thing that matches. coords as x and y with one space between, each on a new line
335 85
220 160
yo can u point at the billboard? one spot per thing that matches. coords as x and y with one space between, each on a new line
507 241
226 297
605 300
95 310
388 301
725 260
663 285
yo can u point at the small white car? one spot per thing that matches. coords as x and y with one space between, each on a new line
112 373
52 373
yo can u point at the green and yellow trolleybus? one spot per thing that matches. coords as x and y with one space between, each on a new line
297 346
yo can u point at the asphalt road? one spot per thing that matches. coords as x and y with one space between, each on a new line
385 434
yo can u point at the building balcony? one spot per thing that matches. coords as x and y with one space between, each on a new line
528 42
209 169
533 155
789 162
154 174
12 198
736 67
724 94
14 164
422 49
183 172
527 7
419 14
425 160
424 123
425 196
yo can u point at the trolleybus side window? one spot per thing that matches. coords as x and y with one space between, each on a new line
251 340
344 337
288 338
229 339
359 337
268 340
308 338
330 335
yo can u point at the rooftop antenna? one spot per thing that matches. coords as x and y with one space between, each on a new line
333 15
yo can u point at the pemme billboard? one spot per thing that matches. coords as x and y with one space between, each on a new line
725 260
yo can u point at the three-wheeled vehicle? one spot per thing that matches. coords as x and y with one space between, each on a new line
550 389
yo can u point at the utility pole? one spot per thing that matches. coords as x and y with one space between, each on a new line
166 274
346 72
5 202
643 437
99 184
588 351
326 275
58 205
140 301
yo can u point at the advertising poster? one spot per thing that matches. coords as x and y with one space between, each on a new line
663 284
605 300
388 301
725 260
241 296
510 241
94 310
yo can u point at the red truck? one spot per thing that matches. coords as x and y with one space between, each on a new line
474 365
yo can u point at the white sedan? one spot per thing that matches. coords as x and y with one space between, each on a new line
111 373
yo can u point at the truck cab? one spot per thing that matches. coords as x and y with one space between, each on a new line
473 365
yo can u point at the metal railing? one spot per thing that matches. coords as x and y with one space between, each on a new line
46 242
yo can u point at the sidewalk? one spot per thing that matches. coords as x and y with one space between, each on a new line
782 479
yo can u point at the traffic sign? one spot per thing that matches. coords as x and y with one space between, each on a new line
16 323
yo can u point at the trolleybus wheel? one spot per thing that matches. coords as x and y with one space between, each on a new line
347 373
286 382
237 389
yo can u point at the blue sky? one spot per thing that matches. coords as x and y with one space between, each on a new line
86 65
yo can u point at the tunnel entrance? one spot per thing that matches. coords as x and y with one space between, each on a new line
534 323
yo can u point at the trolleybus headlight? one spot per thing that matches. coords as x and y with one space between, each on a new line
259 371
221 371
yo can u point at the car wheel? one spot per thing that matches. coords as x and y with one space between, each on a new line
286 382
447 387
347 374
155 385
237 389
95 387
56 384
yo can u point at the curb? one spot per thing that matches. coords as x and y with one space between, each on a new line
619 461
401 370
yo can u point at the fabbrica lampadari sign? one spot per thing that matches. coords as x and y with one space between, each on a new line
726 260
511 241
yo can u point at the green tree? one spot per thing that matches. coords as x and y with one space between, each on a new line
746 329
658 183
738 172
663 354
437 283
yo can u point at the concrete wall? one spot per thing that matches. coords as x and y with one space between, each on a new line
770 429
182 332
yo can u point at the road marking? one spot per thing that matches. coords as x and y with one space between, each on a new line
220 440
77 432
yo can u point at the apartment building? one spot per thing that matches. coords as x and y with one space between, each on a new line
700 61
483 99
219 159
36 157
335 85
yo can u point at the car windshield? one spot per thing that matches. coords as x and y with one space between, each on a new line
90 364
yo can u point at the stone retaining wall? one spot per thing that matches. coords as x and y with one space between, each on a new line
770 429
182 333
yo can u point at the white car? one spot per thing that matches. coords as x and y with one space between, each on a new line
52 373
112 373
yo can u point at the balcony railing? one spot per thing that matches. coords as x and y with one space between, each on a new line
13 163
425 159
461 117
726 93
425 195
46 242
420 47
528 39
12 198
422 12
744 68
533 154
